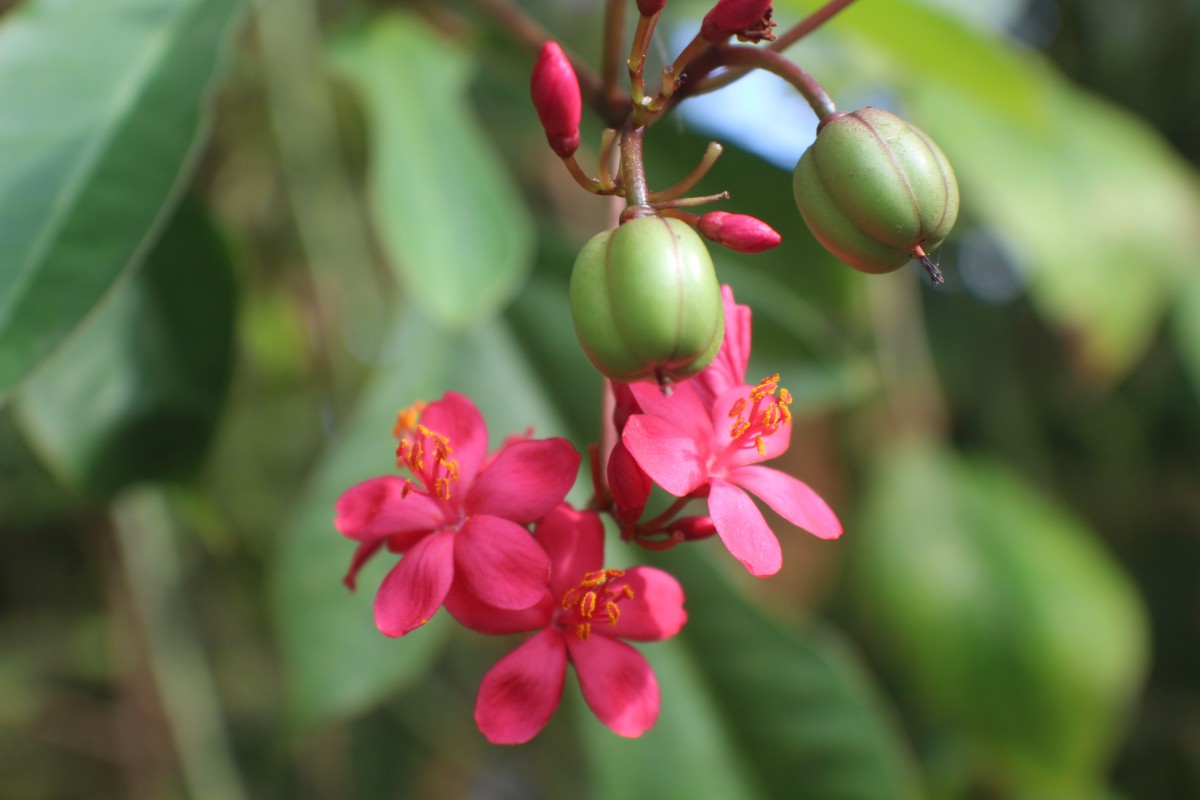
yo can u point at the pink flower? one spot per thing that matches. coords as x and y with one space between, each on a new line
458 520
709 435
582 619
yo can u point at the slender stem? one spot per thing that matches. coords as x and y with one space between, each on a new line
657 524
689 218
642 540
524 29
771 61
705 83
585 181
711 154
607 139
688 202
808 25
145 533
614 39
673 74
633 174
637 57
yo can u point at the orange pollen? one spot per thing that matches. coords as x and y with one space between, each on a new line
760 445
737 407
765 387
407 490
406 419
592 592
587 606
741 426
767 415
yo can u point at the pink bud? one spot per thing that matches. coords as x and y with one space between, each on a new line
693 528
648 8
629 484
740 232
728 17
556 97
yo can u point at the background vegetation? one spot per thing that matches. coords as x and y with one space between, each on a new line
236 236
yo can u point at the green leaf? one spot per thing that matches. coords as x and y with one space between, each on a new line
1013 629
102 106
137 394
754 707
1091 199
448 216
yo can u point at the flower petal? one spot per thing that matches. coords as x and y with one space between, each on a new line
457 418
655 612
743 530
414 590
477 615
520 693
500 563
728 369
617 683
789 498
682 406
673 459
525 480
378 508
574 542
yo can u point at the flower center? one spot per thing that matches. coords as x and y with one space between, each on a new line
426 454
763 412
595 595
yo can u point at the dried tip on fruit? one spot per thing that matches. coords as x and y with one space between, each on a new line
748 19
740 232
648 8
557 99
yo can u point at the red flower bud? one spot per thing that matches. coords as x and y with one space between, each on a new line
728 17
629 484
693 528
556 97
648 8
740 232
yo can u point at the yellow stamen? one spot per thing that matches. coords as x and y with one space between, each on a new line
587 606
594 578
613 611
760 445
408 487
739 427
737 407
406 419
583 630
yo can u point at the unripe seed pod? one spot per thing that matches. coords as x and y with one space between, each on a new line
646 302
875 191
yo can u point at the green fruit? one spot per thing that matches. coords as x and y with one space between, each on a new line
873 189
646 302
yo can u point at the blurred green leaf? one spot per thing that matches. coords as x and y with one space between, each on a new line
446 212
1015 631
102 105
1093 201
136 395
753 707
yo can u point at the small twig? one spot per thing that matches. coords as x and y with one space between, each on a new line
585 181
688 202
808 25
771 61
614 38
711 154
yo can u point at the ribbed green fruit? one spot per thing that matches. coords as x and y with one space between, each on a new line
872 188
646 301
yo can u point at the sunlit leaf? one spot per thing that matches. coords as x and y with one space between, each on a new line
448 216
137 394
102 104
1016 633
